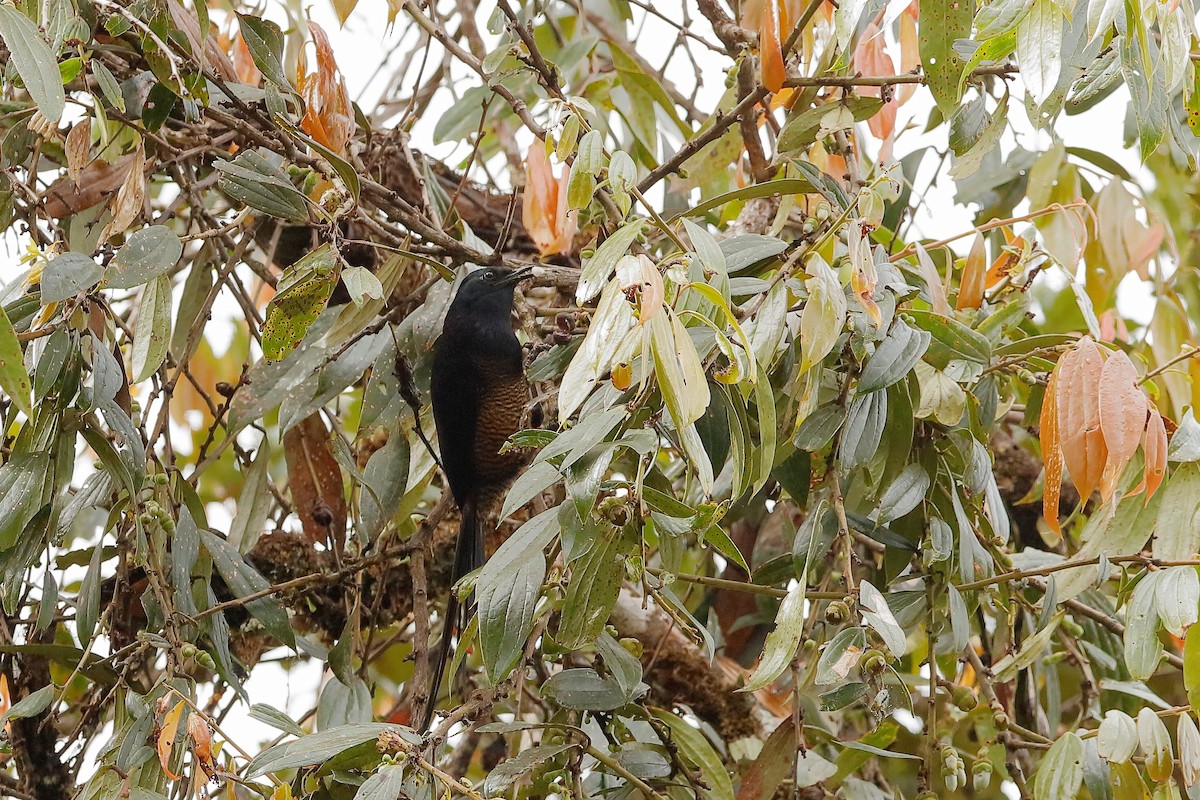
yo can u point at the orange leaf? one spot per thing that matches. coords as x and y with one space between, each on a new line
201 736
871 59
1006 263
5 702
1123 407
1155 448
970 286
1083 447
166 738
1051 454
910 53
243 63
544 209
771 47
328 116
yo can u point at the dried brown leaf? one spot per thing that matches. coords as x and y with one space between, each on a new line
315 480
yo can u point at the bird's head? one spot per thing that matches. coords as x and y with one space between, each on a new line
489 290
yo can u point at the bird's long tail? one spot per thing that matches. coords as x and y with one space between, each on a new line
469 556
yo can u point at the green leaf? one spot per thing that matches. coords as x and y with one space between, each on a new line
35 62
781 187
824 313
502 776
88 602
300 298
599 267
1060 774
385 478
1032 649
696 749
603 343
592 593
29 706
903 494
1143 650
147 254
1191 667
893 358
244 580
14 380
942 23
264 40
507 592
585 690
275 718
589 158
386 784
68 275
153 330
1039 49
1177 530
621 663
784 638
864 429
22 482
318 747
679 369
801 129
253 179
951 339
878 615
108 84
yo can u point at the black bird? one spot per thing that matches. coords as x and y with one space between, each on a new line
479 393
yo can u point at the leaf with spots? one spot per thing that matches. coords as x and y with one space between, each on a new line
301 297
943 22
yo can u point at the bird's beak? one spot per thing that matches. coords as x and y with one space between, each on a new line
517 275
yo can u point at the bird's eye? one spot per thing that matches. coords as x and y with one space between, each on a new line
487 276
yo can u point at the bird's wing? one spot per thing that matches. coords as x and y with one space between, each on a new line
455 389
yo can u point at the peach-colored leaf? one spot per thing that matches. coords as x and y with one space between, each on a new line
243 63
771 47
166 738
970 287
328 116
871 59
1154 448
910 52
201 736
1123 407
1051 454
1083 446
544 208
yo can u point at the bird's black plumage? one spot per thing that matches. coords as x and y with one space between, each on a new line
479 392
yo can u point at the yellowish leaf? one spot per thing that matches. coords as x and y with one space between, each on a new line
166 738
1123 407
